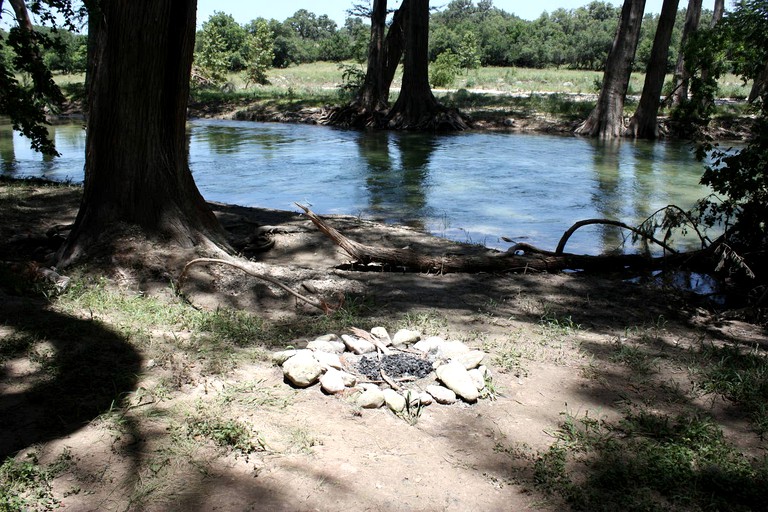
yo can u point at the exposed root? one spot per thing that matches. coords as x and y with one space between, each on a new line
321 305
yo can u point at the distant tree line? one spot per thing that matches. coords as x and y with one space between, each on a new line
477 33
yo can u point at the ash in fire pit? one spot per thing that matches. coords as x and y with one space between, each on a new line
394 365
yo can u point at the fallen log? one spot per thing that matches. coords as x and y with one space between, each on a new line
519 258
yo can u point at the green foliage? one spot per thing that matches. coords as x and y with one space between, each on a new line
741 377
469 51
445 69
649 461
260 52
26 484
739 177
219 49
352 80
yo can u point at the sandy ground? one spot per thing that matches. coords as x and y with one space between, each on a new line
551 340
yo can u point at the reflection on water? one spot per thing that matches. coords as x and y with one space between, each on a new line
18 159
471 186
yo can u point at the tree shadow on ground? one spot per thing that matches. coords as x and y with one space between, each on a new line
58 373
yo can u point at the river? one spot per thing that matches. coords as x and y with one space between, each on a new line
473 187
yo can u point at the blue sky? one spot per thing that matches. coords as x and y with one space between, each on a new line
244 12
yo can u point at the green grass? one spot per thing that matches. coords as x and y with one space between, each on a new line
26 484
739 375
648 461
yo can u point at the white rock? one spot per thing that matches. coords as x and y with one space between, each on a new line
426 399
279 358
441 394
471 359
429 345
328 337
405 337
477 378
332 382
357 345
365 386
349 379
382 335
330 346
394 400
328 360
302 370
457 379
372 398
451 349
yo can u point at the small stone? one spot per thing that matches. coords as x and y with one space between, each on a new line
302 370
442 395
477 378
425 398
330 346
279 358
332 382
471 359
328 360
405 337
357 345
371 399
457 379
382 335
327 337
451 349
429 345
394 400
349 379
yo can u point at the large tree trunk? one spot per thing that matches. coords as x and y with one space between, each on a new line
384 54
394 45
682 74
373 97
607 119
643 124
416 107
136 171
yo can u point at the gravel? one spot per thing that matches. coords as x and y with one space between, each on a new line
394 365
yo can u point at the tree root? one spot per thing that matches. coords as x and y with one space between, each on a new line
321 305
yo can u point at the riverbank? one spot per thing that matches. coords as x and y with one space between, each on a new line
117 394
496 111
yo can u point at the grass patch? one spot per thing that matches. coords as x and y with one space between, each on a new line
648 462
26 484
740 376
224 432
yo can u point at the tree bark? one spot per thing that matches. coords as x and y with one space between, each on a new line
373 96
416 107
682 74
136 170
394 45
607 119
758 86
643 124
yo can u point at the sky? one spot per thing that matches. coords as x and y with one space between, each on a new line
243 12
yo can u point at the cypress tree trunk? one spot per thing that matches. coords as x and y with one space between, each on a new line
643 124
136 170
416 107
682 75
607 119
373 97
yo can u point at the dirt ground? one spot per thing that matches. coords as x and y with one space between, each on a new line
554 344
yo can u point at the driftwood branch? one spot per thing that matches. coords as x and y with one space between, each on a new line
521 257
321 305
588 222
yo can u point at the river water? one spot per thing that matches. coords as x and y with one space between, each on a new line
475 187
